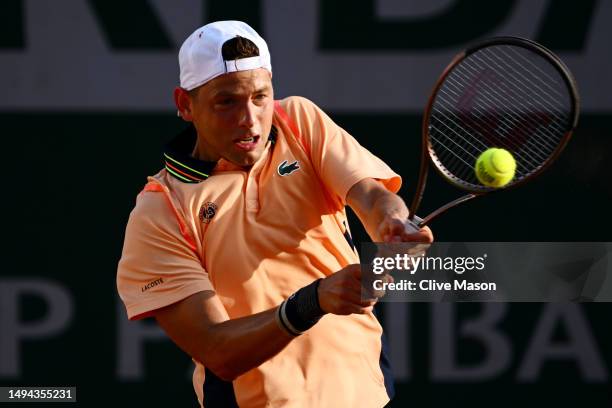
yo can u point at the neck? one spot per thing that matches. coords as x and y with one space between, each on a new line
200 152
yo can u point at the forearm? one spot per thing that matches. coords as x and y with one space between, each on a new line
239 345
387 204
372 203
384 214
201 327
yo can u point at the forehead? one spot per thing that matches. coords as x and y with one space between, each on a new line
249 81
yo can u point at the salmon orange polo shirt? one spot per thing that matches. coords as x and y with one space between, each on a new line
255 236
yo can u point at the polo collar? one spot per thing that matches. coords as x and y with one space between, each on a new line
182 166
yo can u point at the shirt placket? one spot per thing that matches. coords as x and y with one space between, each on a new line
252 184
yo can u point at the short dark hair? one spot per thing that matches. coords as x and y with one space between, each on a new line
237 48
233 49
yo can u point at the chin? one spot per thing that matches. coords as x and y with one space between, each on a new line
249 160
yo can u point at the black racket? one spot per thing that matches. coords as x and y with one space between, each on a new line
505 92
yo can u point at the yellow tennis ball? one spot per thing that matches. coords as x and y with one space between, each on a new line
495 167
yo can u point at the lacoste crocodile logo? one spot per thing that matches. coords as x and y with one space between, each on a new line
285 169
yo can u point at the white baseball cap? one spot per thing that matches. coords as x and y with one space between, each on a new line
200 58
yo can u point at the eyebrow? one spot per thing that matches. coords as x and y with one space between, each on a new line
222 93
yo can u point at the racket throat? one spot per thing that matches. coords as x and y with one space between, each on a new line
419 222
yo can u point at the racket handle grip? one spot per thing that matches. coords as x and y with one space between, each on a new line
415 223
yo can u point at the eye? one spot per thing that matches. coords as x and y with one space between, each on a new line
224 102
260 97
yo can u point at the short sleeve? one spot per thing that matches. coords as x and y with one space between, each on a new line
158 267
339 159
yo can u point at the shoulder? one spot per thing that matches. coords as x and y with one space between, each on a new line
151 213
307 116
154 206
298 105
157 222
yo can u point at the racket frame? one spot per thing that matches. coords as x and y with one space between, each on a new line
428 156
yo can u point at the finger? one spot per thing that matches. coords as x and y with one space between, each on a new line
390 228
395 227
361 298
352 292
417 237
354 309
410 227
423 235
372 291
365 310
356 270
360 295
367 303
427 231
388 278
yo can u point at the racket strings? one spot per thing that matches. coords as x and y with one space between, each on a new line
468 159
491 94
481 127
453 129
499 96
488 127
551 103
555 80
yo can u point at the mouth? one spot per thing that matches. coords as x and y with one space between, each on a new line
247 143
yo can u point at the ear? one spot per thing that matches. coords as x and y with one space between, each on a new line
182 100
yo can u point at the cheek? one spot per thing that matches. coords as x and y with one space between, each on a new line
265 116
220 120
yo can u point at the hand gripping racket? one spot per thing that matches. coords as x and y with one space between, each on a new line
505 92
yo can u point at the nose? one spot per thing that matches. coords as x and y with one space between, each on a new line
247 115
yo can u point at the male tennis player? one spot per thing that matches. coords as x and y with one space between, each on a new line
240 247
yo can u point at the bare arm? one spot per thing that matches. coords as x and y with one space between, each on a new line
383 213
200 326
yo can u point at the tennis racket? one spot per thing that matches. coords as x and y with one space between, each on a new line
505 92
